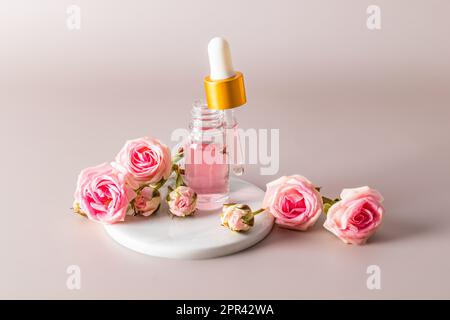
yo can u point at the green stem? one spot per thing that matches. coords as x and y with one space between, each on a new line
258 211
80 213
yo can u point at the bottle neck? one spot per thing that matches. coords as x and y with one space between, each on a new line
204 119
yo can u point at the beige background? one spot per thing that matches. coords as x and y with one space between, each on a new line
353 106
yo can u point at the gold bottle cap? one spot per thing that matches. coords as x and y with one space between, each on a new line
225 93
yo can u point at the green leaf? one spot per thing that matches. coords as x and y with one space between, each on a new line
177 157
179 182
330 201
326 207
249 219
155 193
243 207
159 184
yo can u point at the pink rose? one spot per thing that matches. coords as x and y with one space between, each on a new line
146 160
294 202
356 216
102 194
147 202
237 217
182 201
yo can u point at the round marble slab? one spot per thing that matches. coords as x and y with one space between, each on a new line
198 237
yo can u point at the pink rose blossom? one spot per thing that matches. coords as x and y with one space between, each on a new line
147 202
102 194
146 160
237 217
182 201
356 216
294 202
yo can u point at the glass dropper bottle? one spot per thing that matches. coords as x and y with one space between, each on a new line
214 130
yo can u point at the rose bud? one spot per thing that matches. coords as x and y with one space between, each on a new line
238 217
356 216
146 160
102 194
77 208
146 202
294 202
182 201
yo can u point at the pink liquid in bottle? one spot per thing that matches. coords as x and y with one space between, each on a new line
207 172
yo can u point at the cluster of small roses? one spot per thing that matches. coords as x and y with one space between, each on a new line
297 204
130 185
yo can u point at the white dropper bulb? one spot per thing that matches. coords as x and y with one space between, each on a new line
220 63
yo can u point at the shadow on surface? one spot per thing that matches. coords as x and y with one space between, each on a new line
396 229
